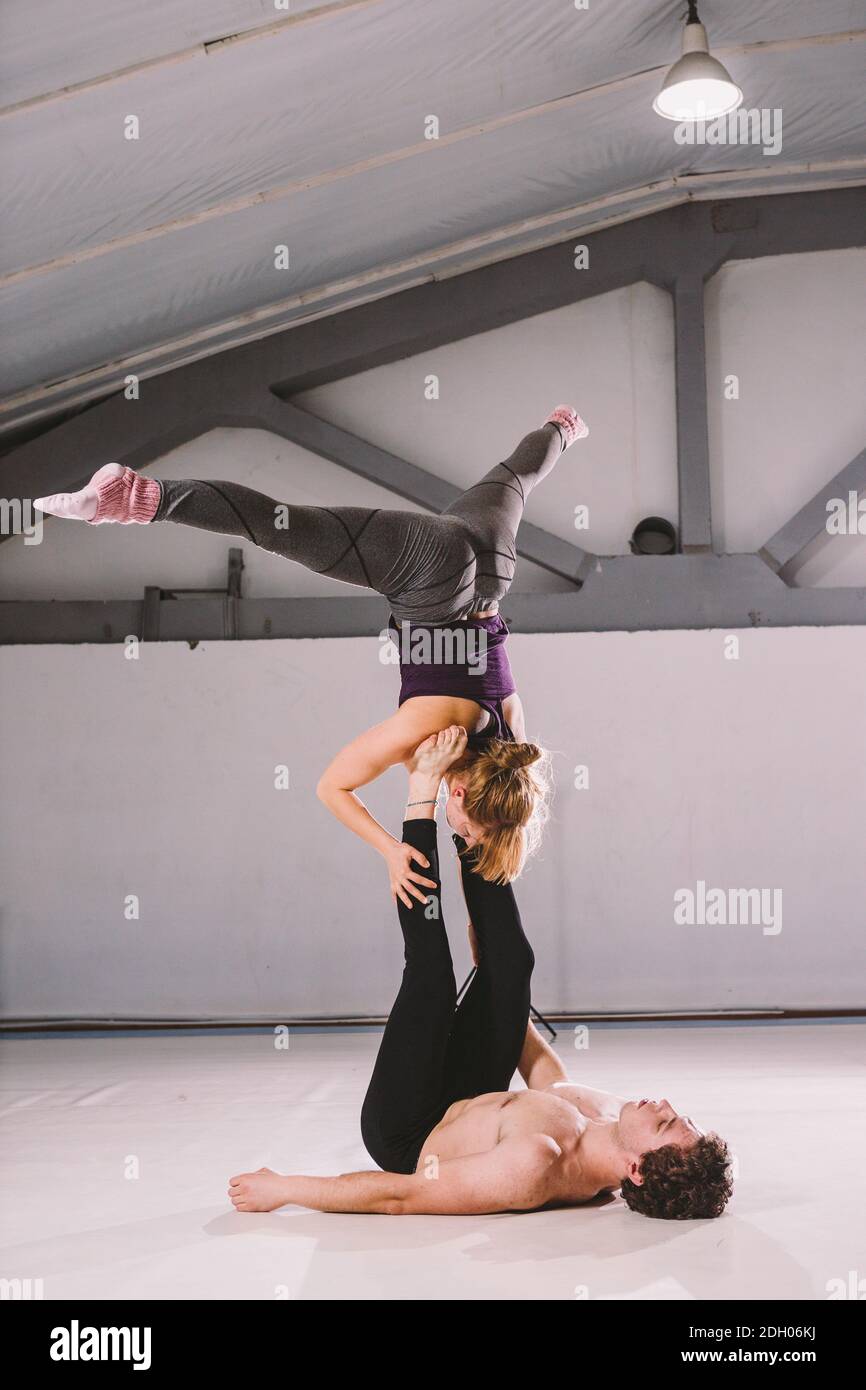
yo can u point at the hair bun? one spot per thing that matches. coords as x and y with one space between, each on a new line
518 755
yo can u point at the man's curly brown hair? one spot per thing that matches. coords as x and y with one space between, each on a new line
681 1184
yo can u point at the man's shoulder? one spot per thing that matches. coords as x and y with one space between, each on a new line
535 1161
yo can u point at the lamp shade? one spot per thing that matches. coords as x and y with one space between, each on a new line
697 87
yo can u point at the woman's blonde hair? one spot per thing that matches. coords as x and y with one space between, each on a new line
507 794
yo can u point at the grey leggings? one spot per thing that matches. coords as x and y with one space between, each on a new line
431 569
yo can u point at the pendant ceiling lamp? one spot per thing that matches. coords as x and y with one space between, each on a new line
697 87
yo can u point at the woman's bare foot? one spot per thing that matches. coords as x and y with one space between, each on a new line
434 756
261 1191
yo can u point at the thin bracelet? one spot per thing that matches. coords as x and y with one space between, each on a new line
431 801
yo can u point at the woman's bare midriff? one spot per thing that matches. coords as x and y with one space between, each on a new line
480 1123
444 710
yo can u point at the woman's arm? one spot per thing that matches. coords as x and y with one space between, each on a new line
362 761
512 708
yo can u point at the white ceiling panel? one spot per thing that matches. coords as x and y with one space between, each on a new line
308 129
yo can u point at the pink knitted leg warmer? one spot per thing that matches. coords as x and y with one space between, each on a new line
124 496
570 425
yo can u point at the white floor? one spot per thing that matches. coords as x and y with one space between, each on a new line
117 1150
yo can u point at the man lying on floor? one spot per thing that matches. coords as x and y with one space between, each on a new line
439 1117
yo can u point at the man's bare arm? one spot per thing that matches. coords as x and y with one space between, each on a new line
360 1192
265 1190
517 1175
542 1070
539 1065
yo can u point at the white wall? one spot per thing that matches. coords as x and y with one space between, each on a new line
792 330
155 777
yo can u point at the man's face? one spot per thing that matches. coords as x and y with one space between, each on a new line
650 1124
455 814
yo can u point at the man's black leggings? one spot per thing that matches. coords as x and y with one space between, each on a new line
433 1053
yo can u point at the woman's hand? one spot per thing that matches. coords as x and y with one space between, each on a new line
403 875
427 766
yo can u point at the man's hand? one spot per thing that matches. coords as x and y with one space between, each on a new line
263 1190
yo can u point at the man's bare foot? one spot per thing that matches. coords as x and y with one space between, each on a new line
261 1191
434 756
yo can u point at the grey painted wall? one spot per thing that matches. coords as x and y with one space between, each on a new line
790 330
155 777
